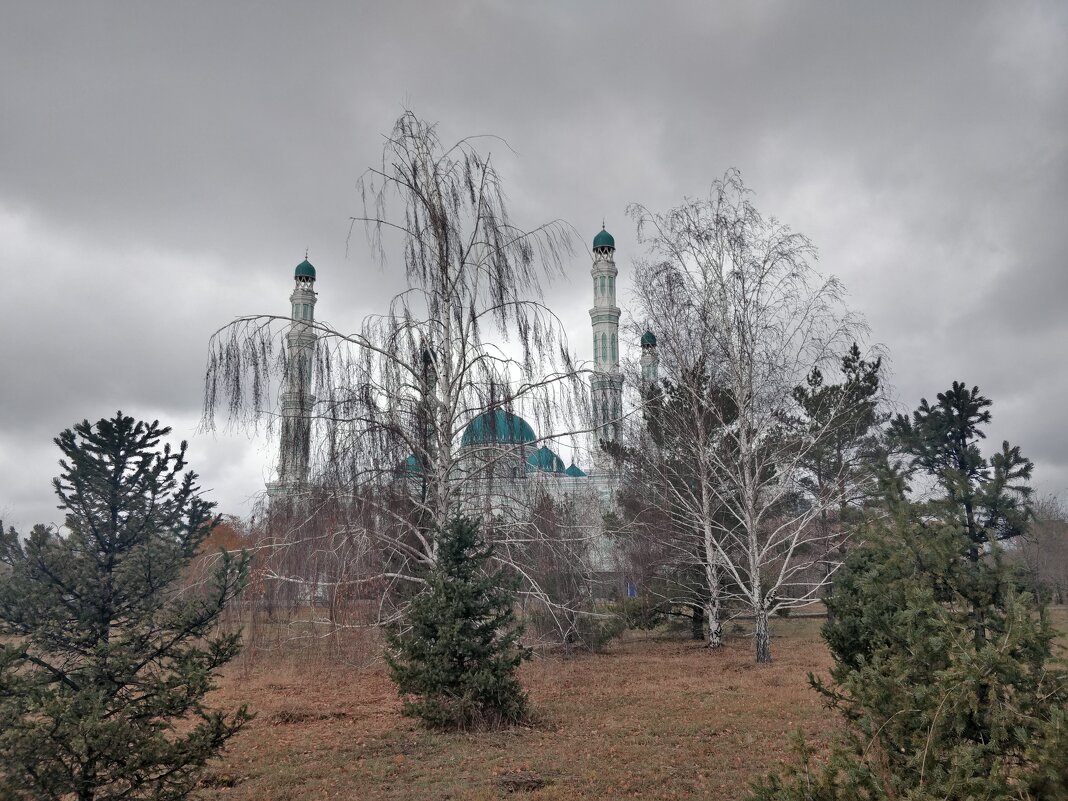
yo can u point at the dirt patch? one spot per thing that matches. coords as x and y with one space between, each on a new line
521 781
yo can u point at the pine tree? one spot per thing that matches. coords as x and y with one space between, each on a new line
988 500
934 711
455 659
104 662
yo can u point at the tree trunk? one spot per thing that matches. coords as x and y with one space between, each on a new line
713 605
763 638
715 626
697 622
712 611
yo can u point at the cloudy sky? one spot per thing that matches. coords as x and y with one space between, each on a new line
163 166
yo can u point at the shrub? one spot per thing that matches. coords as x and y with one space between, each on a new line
455 660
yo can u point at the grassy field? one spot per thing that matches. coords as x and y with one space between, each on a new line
653 718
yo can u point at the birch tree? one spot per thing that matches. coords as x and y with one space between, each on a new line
743 317
468 334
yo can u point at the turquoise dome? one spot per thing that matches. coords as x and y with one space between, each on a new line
648 340
604 240
498 427
544 460
411 466
304 270
575 472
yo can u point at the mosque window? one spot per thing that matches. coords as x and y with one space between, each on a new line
296 311
611 285
604 347
615 349
602 285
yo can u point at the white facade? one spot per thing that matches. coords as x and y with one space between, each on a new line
606 383
297 400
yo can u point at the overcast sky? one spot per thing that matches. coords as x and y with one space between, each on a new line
163 167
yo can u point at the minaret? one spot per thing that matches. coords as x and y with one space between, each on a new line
650 360
294 447
606 384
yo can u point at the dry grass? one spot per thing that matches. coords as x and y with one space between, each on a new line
654 718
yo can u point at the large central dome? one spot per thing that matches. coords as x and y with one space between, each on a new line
498 427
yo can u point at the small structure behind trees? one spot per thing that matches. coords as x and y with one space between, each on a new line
104 659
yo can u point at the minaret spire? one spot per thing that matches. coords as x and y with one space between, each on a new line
606 384
297 401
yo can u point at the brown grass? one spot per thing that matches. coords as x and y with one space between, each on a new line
653 718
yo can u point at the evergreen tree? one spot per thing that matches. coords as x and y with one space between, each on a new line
104 663
929 714
455 660
943 663
987 500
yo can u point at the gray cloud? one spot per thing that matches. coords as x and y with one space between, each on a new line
163 167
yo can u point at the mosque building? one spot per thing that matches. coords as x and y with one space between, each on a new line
499 437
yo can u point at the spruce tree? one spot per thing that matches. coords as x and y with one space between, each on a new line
454 661
104 659
988 500
944 667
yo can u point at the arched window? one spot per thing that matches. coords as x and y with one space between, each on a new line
595 348
604 347
602 285
296 311
615 349
611 285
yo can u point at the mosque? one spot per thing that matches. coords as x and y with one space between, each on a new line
498 436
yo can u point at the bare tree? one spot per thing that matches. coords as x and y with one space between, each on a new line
1044 549
470 334
743 317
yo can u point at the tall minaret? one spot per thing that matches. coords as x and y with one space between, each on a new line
606 384
650 360
297 400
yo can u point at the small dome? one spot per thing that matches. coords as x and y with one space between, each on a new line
498 427
648 340
304 270
409 468
544 460
604 240
575 472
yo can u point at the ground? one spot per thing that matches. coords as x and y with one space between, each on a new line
655 717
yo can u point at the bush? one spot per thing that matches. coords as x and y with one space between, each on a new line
455 660
641 613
